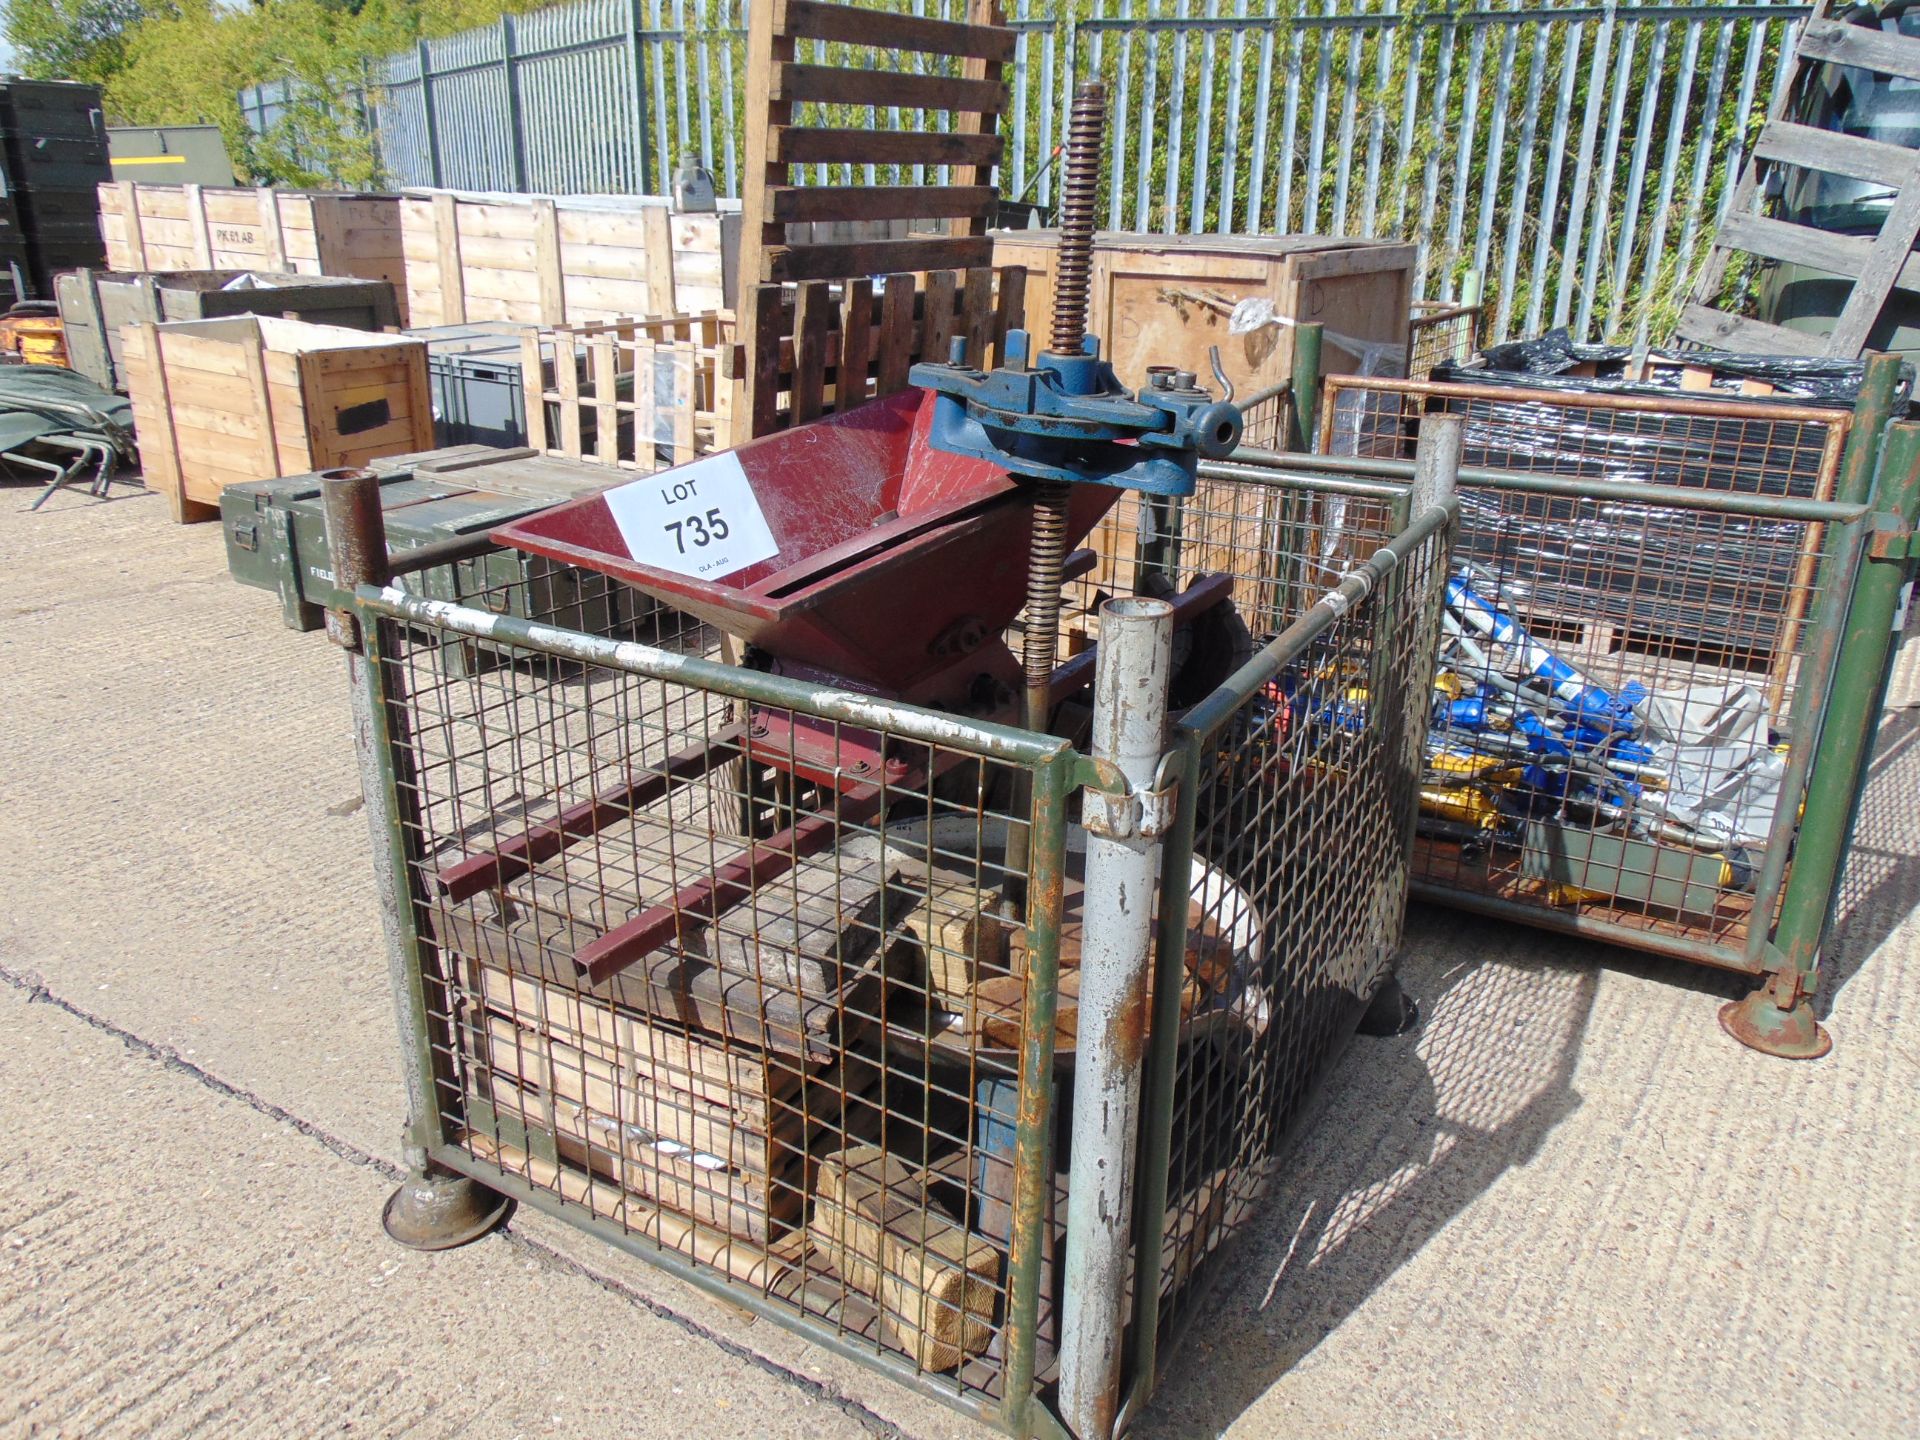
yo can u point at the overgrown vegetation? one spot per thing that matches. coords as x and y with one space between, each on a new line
183 62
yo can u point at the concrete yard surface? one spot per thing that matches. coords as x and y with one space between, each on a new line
1564 1205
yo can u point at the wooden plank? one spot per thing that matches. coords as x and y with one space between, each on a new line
804 203
809 353
546 262
446 239
768 49
136 258
935 1282
419 398
1831 153
838 85
886 30
202 236
856 345
1869 49
659 248
646 403
763 360
606 390
684 360
1702 326
1796 244
981 71
876 257
1890 257
896 335
1010 308
566 380
533 388
937 314
809 145
159 445
276 237
976 314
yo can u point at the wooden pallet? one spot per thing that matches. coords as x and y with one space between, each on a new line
1876 265
787 350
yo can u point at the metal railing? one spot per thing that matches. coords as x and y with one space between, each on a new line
1576 155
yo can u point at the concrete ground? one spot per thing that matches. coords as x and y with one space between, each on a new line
1565 1205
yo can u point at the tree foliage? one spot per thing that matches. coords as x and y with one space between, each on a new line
184 62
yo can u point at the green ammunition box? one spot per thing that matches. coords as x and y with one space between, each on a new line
276 537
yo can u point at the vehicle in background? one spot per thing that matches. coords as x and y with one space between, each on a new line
169 154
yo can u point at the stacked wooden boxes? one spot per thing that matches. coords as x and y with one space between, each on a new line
543 260
252 397
191 227
96 306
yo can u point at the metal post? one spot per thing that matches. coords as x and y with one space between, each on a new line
429 123
637 97
1306 388
433 1209
1778 1018
516 139
1129 729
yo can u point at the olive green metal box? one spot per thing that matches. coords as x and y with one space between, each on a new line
276 536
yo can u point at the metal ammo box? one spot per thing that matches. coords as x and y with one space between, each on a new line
277 540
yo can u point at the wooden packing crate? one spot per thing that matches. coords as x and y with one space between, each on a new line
717 1131
252 397
1167 299
538 260
97 305
650 389
194 227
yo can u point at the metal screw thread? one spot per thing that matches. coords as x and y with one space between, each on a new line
1079 194
1046 558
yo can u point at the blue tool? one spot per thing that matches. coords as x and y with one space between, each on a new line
1068 418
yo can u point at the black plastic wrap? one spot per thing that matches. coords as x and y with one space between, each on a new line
1547 363
1643 567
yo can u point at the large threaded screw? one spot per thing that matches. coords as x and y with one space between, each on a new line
1079 194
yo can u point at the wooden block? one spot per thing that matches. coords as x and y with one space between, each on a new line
935 1283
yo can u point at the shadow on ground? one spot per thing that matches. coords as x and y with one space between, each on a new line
1410 1131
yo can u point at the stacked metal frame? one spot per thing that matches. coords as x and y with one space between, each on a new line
829 1080
1645 646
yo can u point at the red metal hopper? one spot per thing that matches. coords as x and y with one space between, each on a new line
888 565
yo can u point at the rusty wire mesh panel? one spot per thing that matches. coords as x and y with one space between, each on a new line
1645 785
726 979
1439 333
1304 785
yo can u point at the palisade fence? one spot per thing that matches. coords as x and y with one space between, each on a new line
1575 156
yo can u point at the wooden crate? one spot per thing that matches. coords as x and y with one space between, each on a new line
252 397
538 260
194 227
1167 299
648 397
96 306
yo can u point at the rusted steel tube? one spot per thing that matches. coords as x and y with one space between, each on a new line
1130 730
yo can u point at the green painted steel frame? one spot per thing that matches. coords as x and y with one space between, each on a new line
1054 766
1385 568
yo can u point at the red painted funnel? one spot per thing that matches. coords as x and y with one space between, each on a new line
849 545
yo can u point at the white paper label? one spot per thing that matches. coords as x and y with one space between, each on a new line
701 519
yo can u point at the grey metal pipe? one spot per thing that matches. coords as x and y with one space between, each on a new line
1129 728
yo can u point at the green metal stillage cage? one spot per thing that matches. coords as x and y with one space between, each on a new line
832 1082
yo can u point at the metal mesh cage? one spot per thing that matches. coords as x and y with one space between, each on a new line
736 971
1635 657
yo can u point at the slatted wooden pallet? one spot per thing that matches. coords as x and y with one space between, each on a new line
787 334
1876 265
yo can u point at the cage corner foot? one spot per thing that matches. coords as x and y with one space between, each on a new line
1391 1011
435 1209
1786 1031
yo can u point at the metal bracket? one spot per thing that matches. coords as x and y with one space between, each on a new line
1891 538
1113 810
343 629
